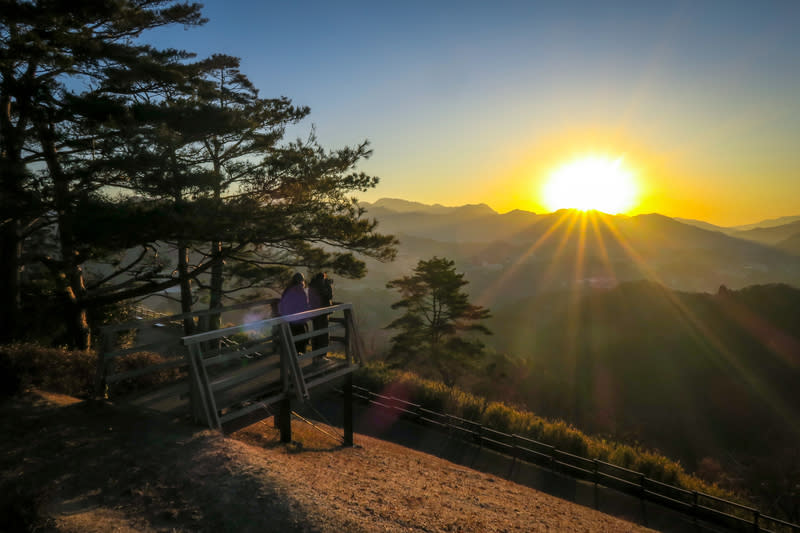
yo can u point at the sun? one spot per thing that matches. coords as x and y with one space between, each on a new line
591 183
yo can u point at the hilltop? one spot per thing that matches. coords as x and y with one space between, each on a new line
91 467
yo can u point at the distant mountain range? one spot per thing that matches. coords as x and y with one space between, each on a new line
481 223
511 256
568 246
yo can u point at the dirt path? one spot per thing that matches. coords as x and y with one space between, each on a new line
88 467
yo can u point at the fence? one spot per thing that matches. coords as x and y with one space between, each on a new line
221 375
160 334
697 505
280 372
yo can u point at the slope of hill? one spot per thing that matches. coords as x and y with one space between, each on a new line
770 235
769 223
790 244
694 375
702 224
73 466
469 223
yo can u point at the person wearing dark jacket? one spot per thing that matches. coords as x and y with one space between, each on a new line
320 294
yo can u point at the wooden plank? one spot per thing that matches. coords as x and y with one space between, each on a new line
315 332
261 325
261 404
333 375
136 324
231 380
267 323
236 354
178 361
149 347
249 391
170 399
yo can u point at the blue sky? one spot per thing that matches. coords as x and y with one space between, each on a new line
468 102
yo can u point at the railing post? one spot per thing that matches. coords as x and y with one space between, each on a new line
100 375
347 411
201 395
642 498
285 415
348 336
756 526
596 477
514 453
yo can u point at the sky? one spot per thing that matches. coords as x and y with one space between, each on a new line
482 102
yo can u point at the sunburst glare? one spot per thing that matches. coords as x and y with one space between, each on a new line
592 183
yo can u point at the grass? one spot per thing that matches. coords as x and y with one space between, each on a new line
436 396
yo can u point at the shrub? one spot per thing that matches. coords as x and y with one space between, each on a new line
54 369
141 360
498 416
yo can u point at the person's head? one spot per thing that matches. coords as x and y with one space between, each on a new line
298 279
319 277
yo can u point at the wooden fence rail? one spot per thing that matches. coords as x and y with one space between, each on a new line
222 393
227 373
170 346
695 504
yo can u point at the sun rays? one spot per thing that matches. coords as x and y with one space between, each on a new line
576 250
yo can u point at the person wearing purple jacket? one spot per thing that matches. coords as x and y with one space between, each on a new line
295 300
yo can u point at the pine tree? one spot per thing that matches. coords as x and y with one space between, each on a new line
437 320
88 113
47 48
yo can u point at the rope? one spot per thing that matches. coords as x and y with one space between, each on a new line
315 426
309 422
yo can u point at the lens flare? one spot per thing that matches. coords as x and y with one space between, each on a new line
591 183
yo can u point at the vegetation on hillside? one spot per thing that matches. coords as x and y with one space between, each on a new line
709 379
439 397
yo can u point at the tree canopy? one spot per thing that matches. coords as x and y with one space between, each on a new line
125 169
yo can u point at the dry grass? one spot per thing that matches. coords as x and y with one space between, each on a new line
85 466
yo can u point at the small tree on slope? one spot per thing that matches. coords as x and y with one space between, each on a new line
438 320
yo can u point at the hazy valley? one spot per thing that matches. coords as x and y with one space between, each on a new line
517 255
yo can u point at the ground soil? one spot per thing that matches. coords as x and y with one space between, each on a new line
79 466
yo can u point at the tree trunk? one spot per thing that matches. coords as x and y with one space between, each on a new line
77 318
215 296
10 251
77 322
12 176
186 286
